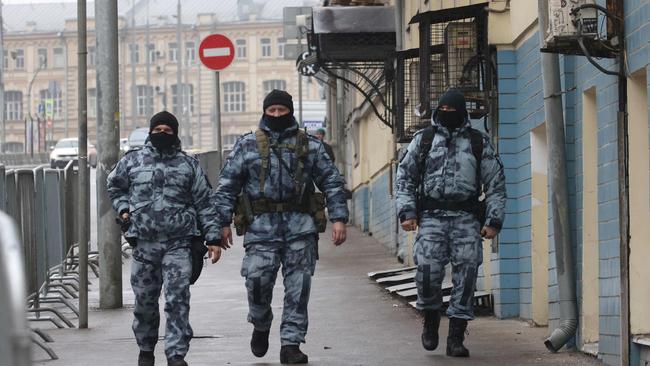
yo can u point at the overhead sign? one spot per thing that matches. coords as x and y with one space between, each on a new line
307 69
216 52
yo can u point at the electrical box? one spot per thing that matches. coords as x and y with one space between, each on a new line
563 24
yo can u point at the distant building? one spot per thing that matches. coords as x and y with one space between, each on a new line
46 34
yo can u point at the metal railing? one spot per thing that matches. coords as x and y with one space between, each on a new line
42 203
24 159
14 332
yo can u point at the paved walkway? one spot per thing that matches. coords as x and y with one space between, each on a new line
352 322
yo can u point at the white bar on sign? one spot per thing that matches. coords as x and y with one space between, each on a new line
216 52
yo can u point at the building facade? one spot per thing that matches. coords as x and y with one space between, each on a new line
519 268
40 69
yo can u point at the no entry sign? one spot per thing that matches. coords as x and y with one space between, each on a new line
216 51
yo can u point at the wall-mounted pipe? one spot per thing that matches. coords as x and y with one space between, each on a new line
559 194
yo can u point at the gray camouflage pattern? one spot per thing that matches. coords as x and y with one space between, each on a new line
241 171
166 194
442 240
446 236
156 265
260 268
450 174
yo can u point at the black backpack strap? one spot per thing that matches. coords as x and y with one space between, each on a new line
476 141
425 145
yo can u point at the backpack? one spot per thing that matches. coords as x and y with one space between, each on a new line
476 142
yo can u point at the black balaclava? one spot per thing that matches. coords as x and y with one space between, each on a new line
455 99
280 97
163 141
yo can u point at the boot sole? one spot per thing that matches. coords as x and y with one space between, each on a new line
431 348
296 362
451 354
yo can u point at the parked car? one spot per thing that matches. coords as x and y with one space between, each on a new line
138 137
66 150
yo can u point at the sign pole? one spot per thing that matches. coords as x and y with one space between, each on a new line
216 135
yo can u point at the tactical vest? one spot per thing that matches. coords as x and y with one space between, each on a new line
473 205
306 199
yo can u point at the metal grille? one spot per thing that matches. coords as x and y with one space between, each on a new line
453 53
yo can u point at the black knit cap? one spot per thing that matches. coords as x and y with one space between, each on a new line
453 98
280 97
164 118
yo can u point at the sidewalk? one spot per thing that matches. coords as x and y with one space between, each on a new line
352 322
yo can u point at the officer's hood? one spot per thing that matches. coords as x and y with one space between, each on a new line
289 131
455 99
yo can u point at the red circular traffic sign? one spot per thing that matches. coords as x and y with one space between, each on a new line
216 51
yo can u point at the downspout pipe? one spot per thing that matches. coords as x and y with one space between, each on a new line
559 193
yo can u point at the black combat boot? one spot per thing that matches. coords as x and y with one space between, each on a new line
259 342
176 361
145 358
292 355
430 329
456 337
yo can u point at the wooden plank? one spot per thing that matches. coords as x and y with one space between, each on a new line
388 272
401 287
398 278
408 293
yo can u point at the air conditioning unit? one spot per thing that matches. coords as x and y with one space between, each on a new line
563 24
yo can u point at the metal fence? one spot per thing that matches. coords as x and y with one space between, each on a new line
210 162
14 332
42 201
24 159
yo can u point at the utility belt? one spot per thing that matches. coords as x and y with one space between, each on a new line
473 205
313 204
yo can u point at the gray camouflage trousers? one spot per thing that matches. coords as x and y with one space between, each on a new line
260 268
156 265
441 240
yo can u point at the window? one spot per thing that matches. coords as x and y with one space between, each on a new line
190 53
92 57
135 53
58 60
281 43
144 100
152 52
13 105
240 46
92 103
5 60
42 58
19 58
266 47
187 95
274 84
173 52
52 99
234 96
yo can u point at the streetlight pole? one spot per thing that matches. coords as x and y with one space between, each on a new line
29 112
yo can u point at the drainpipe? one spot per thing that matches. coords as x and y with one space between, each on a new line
399 15
560 197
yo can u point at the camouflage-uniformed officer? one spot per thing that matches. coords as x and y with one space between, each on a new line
164 196
281 236
443 184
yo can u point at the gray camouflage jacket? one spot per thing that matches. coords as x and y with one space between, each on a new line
241 171
450 174
167 195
